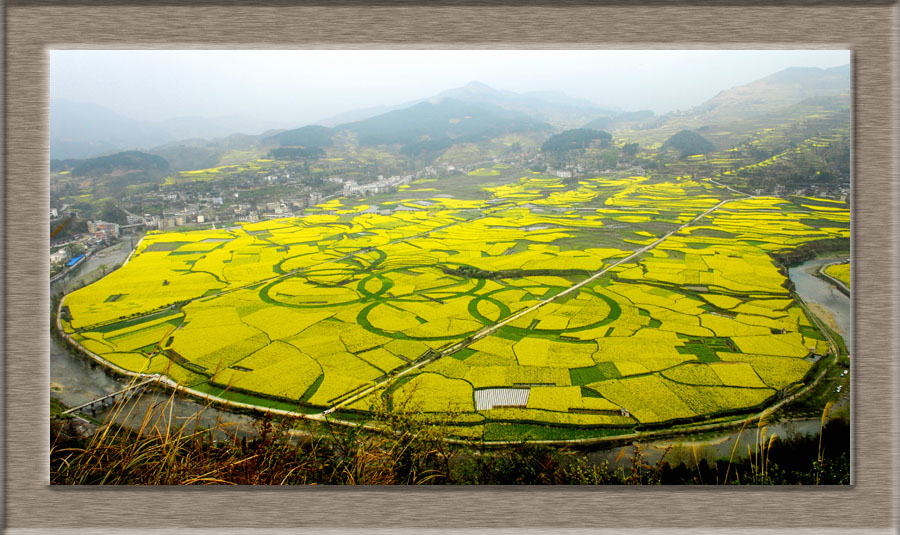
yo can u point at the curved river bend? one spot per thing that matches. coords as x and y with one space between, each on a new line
75 381
822 293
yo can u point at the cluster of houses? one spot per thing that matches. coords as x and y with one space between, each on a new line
381 185
283 207
841 193
570 171
100 233
103 231
222 203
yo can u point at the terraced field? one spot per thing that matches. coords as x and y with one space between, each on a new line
352 308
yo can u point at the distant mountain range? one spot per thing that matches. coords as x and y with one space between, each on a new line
466 114
81 130
554 107
426 127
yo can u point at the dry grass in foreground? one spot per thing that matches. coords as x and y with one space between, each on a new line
296 451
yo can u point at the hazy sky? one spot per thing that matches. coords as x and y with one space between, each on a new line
297 87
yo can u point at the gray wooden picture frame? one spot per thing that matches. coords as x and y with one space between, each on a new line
869 29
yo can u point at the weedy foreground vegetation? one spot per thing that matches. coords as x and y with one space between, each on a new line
292 451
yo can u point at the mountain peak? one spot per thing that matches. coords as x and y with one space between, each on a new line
479 87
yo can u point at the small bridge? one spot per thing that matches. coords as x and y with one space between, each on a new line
110 399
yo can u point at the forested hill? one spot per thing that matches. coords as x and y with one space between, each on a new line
446 119
578 138
779 90
689 143
313 136
120 162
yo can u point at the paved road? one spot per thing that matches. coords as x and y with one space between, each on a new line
300 270
491 329
729 188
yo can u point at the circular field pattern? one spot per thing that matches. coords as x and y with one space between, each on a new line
490 314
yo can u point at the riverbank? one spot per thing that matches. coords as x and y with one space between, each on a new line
213 410
417 453
833 306
223 409
836 282
95 266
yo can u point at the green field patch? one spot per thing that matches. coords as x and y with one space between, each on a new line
811 332
160 246
594 374
313 388
463 354
703 353
167 315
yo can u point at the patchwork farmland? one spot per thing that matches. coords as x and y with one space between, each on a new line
590 309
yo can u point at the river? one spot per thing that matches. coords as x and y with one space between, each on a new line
95 265
75 381
821 293
829 302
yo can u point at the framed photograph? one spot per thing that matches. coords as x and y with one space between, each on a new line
625 259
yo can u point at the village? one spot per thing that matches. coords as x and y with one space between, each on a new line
280 193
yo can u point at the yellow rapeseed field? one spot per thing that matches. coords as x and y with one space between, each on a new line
312 309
